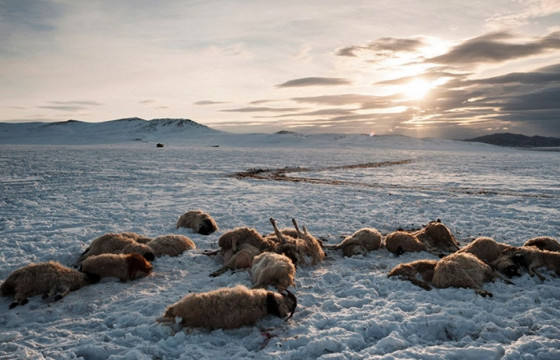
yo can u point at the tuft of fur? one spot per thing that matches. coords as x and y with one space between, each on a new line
367 239
47 279
544 243
229 308
114 243
123 266
171 245
413 270
399 242
272 269
201 222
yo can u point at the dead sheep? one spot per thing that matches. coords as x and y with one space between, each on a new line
229 308
466 271
485 248
46 279
198 220
413 270
171 245
122 266
531 258
114 243
241 259
437 238
136 237
544 243
297 248
272 269
399 242
232 239
360 242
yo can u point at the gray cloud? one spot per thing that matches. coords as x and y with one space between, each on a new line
209 102
70 105
365 101
383 47
252 109
545 99
496 47
314 81
36 15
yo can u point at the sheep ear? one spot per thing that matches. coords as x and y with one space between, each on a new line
293 298
272 306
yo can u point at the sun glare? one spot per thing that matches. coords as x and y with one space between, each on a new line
416 89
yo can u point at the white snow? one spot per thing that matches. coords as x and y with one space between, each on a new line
54 199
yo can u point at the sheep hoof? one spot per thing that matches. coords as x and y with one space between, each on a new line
14 304
57 297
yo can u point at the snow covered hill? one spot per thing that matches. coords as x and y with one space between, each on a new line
190 133
74 132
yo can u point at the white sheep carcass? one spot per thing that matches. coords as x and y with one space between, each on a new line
229 308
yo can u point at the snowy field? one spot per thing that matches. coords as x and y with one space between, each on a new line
55 199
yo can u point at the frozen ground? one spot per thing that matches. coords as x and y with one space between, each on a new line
55 199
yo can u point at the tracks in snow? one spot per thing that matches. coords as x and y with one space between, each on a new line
281 174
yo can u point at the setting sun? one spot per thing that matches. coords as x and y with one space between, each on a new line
416 89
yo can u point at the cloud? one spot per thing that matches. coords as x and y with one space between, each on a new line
209 102
70 105
365 101
314 81
533 9
539 100
383 47
497 47
251 109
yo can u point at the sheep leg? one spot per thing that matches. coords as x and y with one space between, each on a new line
211 252
299 234
219 271
279 235
483 293
64 290
534 272
423 284
499 276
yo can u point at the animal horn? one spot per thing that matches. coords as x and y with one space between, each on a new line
291 296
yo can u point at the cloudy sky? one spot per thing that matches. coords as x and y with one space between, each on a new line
440 68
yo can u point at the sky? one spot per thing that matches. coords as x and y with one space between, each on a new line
437 68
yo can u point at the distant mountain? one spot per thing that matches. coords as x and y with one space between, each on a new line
185 132
516 140
113 131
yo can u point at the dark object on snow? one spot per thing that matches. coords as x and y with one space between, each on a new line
159 145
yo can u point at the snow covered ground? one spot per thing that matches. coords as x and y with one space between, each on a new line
55 199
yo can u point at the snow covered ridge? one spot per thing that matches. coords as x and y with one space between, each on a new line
74 132
185 132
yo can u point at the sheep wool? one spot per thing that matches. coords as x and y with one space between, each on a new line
272 269
122 266
47 279
229 308
201 222
171 245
